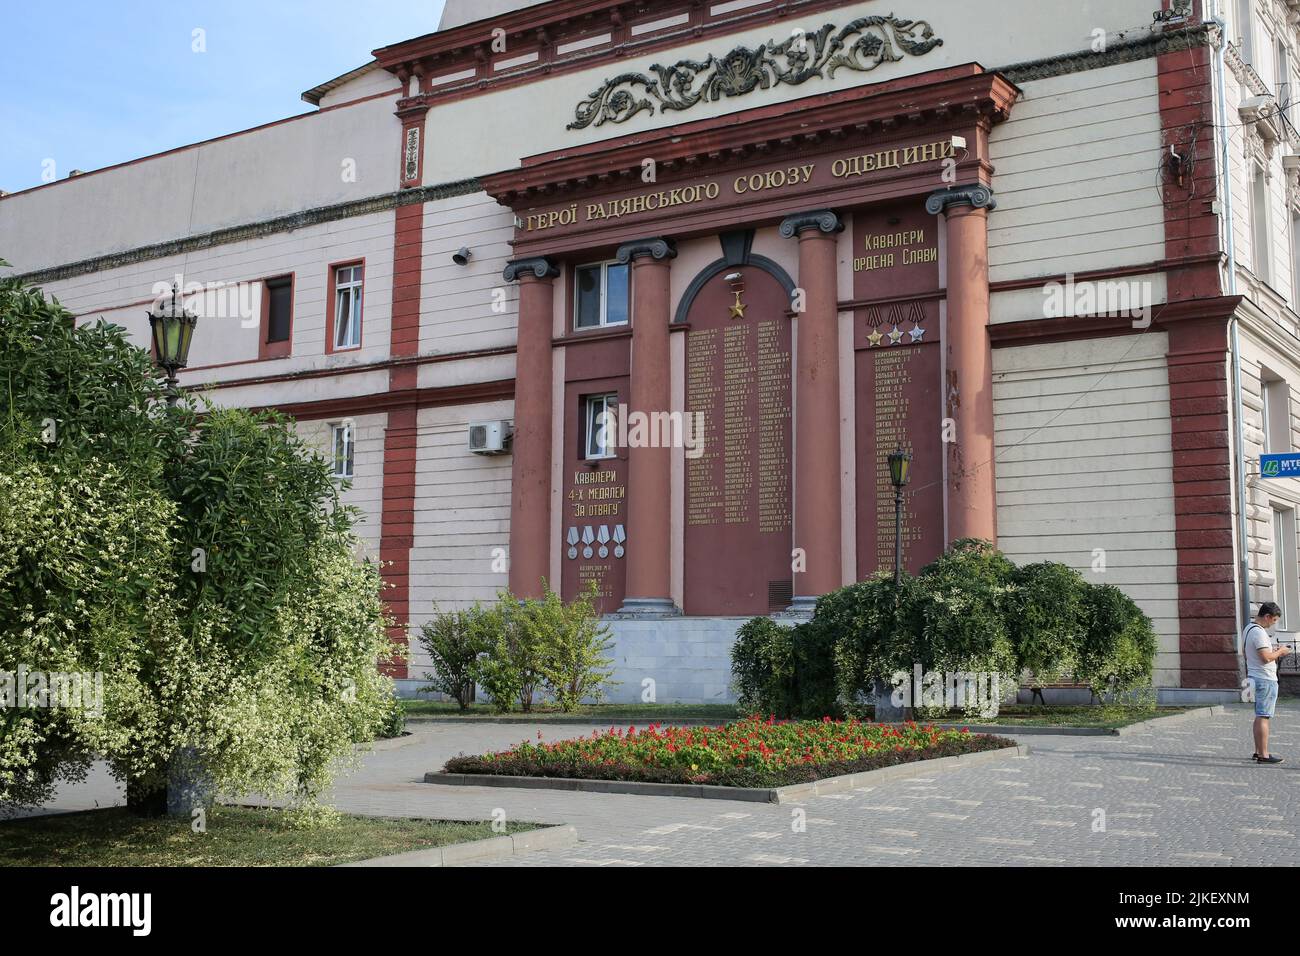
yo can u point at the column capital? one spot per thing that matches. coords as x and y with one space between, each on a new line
654 247
539 267
823 220
976 195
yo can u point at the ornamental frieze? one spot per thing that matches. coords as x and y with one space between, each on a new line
860 46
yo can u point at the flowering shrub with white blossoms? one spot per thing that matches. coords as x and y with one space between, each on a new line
263 657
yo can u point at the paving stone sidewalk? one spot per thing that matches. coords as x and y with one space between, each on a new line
1184 795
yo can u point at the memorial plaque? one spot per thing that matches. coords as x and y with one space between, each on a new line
593 529
898 384
738 507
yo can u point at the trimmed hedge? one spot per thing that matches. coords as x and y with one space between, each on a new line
971 610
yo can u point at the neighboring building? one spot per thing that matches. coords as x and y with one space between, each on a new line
1000 237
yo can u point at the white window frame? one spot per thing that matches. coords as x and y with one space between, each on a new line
353 292
1260 239
1275 412
592 407
604 295
1286 576
345 456
1295 262
1245 25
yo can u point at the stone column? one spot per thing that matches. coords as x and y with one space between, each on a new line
968 388
530 473
817 518
649 586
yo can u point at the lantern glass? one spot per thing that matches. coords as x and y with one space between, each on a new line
899 464
173 330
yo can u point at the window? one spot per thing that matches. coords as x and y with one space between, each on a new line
1284 565
1245 29
1282 73
342 442
598 441
1295 262
277 317
1261 252
601 295
1275 414
346 282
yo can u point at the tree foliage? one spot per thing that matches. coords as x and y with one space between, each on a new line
198 561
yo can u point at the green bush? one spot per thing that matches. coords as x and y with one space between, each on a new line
785 671
762 668
1047 620
971 611
454 640
1118 650
543 643
574 644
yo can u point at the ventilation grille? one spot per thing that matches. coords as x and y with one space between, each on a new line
780 594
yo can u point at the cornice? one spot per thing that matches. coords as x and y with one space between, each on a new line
254 230
957 97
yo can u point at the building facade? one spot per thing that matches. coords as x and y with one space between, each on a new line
1052 254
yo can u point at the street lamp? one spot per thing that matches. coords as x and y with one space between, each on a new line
173 329
899 464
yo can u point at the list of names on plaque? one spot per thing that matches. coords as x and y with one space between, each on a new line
773 426
738 425
703 389
892 378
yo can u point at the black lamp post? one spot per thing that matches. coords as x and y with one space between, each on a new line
173 329
899 464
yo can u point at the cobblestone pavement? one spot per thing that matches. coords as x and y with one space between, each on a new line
1186 794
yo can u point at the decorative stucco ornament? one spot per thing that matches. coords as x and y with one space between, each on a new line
860 46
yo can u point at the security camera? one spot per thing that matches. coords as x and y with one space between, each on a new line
461 256
733 277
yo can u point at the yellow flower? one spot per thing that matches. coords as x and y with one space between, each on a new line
695 766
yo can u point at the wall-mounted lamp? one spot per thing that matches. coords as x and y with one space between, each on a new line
462 256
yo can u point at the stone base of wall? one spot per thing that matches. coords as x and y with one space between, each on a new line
663 660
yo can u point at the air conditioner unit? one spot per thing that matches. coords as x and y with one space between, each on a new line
489 438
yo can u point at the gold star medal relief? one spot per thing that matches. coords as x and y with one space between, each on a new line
737 307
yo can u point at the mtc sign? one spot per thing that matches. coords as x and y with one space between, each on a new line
1280 466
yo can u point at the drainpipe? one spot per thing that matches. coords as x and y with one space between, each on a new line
1238 416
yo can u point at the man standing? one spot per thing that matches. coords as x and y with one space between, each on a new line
1262 654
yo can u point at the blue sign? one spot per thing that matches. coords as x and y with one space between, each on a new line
1280 466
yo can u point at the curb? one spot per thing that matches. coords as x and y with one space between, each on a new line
386 743
579 721
1197 714
785 794
1005 730
493 848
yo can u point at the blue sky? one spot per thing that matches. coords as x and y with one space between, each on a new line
90 83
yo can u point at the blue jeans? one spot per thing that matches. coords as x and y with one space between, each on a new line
1265 696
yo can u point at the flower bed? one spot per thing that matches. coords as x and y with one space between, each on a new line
754 752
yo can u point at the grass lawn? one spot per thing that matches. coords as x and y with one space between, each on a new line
598 712
1106 716
1016 715
751 752
236 836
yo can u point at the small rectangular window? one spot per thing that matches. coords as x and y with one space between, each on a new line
279 309
347 306
1261 254
342 441
1284 565
601 295
599 439
1275 398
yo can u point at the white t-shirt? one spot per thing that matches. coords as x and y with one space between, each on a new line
1257 639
